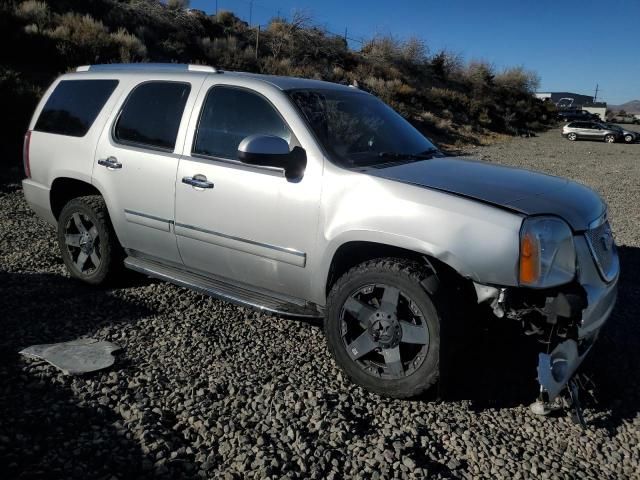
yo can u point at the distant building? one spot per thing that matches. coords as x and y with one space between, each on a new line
570 100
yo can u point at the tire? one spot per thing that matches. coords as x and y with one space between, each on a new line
572 136
383 348
609 138
628 138
88 244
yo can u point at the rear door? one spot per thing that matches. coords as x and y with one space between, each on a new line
136 162
595 130
251 225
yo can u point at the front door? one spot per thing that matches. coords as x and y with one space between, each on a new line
136 163
247 224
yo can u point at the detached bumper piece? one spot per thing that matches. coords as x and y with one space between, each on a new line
556 369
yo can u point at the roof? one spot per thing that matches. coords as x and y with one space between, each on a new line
283 83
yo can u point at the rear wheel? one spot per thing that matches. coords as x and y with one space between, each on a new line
88 244
383 327
572 136
609 138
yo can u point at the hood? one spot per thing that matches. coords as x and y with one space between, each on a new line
516 189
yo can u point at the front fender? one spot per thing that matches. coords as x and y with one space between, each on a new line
478 240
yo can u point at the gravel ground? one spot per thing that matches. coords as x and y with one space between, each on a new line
206 389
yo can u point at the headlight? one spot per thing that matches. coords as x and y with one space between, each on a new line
547 253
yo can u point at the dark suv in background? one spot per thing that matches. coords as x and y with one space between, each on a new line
570 115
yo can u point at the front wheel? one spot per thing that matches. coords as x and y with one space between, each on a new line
87 241
383 327
572 136
628 138
610 138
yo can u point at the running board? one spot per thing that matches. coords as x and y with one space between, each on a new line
240 295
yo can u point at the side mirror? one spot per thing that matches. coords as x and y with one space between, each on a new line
273 151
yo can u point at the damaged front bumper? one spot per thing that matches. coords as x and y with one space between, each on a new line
567 319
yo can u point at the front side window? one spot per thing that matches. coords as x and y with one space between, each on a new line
151 115
73 106
358 129
231 114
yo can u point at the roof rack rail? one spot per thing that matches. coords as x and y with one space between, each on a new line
147 67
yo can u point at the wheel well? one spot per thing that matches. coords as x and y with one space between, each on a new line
64 189
353 253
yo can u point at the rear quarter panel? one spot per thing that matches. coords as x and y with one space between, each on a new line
53 156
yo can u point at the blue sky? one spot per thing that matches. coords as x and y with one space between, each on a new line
573 45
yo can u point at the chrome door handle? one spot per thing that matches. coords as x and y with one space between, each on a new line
197 181
111 163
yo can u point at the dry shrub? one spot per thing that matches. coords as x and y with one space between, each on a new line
131 47
80 36
177 4
37 13
518 79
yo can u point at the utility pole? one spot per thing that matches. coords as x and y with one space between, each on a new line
250 11
345 34
216 8
595 97
257 40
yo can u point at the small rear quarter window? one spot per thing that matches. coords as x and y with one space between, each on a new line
73 106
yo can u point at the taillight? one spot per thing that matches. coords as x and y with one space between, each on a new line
25 154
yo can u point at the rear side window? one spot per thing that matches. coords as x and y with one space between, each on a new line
73 106
231 114
151 115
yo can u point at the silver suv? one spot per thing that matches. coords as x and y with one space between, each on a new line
311 199
591 131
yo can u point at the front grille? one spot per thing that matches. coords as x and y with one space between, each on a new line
603 249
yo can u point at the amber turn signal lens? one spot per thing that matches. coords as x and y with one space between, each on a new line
529 260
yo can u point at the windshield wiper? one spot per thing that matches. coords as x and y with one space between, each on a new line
387 158
427 154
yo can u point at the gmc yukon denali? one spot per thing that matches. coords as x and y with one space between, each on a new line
311 199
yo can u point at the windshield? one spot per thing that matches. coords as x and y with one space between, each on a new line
358 129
